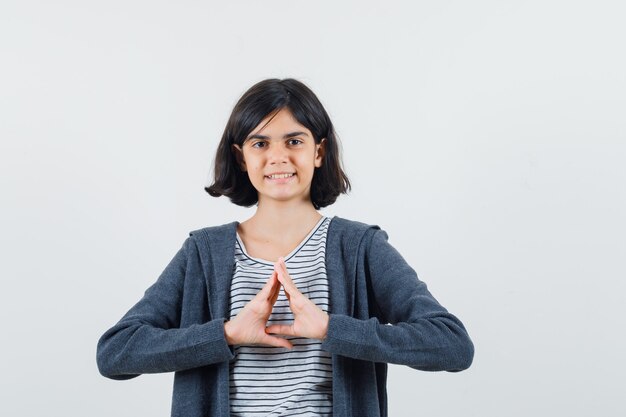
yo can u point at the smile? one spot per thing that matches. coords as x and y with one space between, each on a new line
279 176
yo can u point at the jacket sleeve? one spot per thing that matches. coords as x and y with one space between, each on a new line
415 330
148 338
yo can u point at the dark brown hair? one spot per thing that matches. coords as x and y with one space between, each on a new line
262 99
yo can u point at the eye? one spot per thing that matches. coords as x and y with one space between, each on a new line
259 144
294 142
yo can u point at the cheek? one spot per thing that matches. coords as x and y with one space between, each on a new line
255 167
253 172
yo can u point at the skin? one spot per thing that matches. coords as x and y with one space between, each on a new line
284 216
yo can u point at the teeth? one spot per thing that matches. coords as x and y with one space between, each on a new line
277 176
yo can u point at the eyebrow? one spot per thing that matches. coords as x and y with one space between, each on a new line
288 135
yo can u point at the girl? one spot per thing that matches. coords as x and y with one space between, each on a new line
289 313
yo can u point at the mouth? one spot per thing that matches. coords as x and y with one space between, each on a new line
280 176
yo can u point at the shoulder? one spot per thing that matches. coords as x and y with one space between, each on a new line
223 229
213 236
353 231
347 225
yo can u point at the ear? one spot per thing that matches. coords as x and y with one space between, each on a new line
320 151
239 156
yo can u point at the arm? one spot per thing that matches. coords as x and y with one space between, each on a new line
422 334
148 338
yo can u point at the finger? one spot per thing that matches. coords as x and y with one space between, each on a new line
268 288
287 276
284 277
282 265
288 286
282 329
275 289
276 341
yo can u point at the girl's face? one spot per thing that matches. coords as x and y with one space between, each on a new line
280 158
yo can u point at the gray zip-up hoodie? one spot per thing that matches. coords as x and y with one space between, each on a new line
178 325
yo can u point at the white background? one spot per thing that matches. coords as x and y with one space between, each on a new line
488 138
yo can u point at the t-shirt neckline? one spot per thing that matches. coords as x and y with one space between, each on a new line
288 256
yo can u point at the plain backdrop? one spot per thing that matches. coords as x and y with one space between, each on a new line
488 138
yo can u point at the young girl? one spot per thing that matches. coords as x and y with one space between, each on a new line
289 313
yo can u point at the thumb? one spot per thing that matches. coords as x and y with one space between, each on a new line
275 341
284 329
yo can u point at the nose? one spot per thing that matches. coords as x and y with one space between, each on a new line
278 155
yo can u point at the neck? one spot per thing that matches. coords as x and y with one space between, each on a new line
274 215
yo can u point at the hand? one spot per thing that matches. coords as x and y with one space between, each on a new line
310 321
248 326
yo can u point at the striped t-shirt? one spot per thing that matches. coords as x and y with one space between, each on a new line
275 381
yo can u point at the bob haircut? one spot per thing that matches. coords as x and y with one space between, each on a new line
262 99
